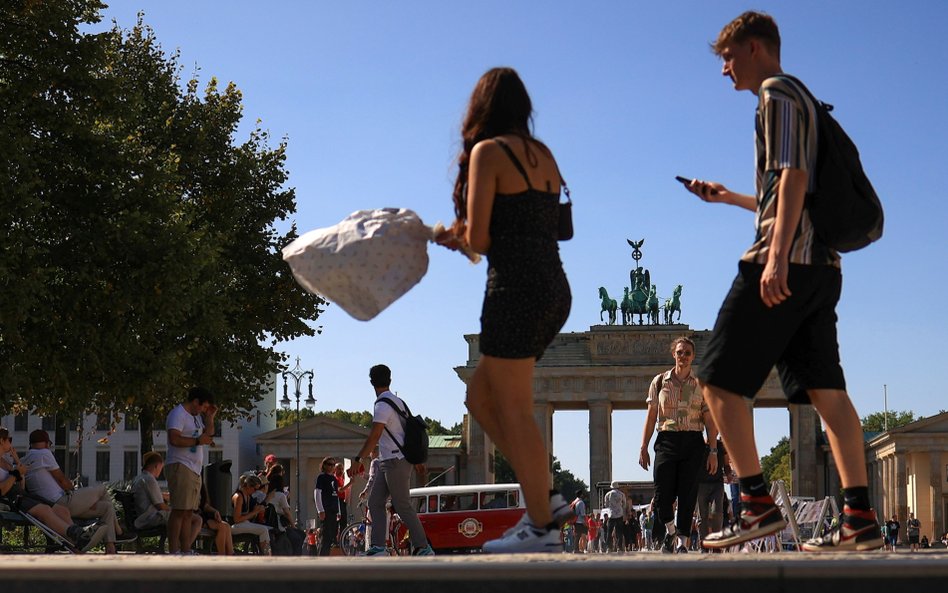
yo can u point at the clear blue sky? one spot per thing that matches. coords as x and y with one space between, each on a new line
370 96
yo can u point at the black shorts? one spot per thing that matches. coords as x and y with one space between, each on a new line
580 528
798 335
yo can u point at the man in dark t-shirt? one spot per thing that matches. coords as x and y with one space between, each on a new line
892 529
327 503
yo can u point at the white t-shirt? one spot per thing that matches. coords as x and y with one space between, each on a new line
39 482
189 426
385 414
282 507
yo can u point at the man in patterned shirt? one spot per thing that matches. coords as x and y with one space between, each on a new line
781 307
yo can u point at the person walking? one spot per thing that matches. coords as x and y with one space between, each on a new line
677 408
190 428
394 470
506 200
912 528
781 307
615 502
711 498
326 494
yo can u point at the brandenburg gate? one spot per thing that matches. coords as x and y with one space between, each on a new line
610 368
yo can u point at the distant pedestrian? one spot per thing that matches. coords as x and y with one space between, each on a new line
892 527
615 502
912 528
326 496
682 453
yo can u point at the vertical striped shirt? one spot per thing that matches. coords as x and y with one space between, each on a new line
786 134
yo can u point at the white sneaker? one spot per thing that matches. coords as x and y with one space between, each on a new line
559 508
525 540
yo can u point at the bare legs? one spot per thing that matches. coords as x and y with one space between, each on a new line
179 532
500 397
736 423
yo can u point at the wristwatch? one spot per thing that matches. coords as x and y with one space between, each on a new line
714 451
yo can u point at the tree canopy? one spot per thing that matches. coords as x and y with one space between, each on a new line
362 418
776 464
139 253
876 421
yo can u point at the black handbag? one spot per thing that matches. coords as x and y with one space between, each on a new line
565 222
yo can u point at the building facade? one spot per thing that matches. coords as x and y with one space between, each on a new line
107 449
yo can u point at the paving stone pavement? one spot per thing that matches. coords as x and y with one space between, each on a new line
638 573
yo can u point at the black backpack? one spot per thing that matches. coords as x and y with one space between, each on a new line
845 211
415 447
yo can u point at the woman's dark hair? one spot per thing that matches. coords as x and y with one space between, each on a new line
499 105
276 483
4 433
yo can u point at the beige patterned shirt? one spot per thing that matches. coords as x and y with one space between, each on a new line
680 406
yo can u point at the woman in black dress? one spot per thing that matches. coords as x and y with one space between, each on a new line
506 201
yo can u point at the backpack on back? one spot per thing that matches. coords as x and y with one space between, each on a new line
845 211
415 447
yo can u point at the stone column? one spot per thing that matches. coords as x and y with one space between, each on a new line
803 449
600 442
479 455
886 487
937 492
901 493
543 414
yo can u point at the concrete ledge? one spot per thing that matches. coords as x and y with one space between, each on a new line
771 573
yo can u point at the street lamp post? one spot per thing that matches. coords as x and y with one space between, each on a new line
297 374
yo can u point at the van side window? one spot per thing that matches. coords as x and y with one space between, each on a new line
433 503
494 500
420 503
513 499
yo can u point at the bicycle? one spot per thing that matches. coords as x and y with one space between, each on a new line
352 538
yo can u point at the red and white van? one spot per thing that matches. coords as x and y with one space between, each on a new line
462 518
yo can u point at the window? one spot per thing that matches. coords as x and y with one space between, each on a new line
103 421
21 421
215 456
218 427
49 423
131 465
131 422
60 456
420 503
102 470
513 498
460 502
258 418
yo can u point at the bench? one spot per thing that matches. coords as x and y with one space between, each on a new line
126 500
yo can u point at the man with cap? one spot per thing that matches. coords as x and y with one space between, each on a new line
46 481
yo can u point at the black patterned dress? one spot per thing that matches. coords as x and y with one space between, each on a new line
527 299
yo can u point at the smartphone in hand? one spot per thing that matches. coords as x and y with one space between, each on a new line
687 181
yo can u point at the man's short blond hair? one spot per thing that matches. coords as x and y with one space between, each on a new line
750 25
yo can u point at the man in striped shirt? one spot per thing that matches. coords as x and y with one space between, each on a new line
781 308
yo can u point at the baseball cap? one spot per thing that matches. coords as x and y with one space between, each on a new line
39 436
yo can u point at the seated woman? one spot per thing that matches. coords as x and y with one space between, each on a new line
245 512
211 518
56 517
284 522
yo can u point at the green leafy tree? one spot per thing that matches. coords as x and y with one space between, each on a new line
776 465
876 421
563 479
138 243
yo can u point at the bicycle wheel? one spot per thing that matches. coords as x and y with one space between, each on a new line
352 539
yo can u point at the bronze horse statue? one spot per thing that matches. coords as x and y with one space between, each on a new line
673 304
608 305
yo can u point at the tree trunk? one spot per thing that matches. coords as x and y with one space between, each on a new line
146 421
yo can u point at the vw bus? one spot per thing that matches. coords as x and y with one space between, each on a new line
462 518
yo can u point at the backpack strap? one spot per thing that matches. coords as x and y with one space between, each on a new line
400 413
